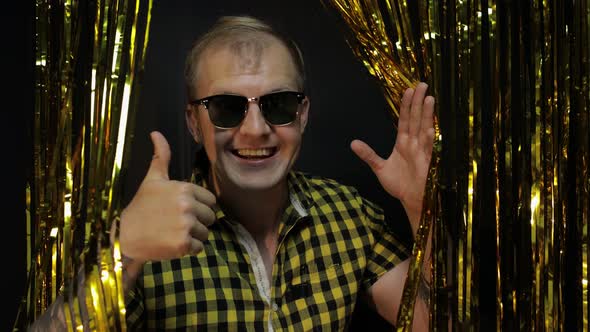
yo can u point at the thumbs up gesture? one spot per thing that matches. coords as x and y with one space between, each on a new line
165 219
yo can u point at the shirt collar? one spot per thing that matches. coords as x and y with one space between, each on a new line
299 193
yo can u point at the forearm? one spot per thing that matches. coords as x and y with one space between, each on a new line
131 270
386 296
131 267
386 293
53 319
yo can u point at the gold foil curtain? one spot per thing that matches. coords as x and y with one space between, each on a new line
511 199
88 55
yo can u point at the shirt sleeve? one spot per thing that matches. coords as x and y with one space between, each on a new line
134 307
387 249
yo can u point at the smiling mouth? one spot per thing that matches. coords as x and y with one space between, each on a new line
255 154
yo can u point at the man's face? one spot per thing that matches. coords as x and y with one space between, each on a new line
254 155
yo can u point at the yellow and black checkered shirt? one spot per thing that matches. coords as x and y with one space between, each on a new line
333 245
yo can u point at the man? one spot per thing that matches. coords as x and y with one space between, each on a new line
250 244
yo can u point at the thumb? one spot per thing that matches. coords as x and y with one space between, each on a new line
367 154
159 166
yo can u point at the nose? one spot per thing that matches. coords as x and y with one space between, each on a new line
254 123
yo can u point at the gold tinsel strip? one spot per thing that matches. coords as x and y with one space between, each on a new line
523 66
375 48
581 96
87 57
542 184
397 68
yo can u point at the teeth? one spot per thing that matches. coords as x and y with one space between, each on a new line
254 152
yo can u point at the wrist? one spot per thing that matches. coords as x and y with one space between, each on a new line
131 270
414 214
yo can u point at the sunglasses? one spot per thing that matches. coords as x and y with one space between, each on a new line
228 111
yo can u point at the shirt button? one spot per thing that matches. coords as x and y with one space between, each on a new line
275 307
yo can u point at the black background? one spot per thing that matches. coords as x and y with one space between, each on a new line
16 100
346 103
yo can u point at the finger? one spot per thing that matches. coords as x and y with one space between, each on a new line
204 214
196 246
367 154
427 123
203 195
195 209
428 144
416 110
161 159
199 231
403 124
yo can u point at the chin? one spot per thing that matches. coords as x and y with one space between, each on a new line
258 182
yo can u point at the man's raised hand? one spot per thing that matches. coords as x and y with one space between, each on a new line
404 174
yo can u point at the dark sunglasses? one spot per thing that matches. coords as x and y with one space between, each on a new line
228 111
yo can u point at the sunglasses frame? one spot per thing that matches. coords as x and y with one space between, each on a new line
205 102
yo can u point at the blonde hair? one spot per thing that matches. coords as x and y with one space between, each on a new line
238 28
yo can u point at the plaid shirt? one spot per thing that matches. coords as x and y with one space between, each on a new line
333 244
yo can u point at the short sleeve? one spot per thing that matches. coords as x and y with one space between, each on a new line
387 249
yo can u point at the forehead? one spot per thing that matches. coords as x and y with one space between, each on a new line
257 59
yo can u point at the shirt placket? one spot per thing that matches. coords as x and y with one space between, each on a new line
292 219
259 270
264 285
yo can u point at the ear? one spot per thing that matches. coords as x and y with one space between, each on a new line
192 122
304 113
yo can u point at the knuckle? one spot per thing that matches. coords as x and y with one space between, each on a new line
184 226
183 205
185 188
189 188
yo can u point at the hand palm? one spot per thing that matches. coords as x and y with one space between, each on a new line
403 175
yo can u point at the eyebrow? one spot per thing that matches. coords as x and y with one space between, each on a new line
279 89
282 88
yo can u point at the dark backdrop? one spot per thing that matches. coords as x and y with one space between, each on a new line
17 100
346 103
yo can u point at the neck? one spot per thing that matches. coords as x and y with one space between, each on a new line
258 211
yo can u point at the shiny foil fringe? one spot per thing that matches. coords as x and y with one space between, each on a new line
511 79
87 55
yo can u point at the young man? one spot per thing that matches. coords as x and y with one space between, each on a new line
250 244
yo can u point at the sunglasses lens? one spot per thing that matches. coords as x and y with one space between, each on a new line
280 108
227 111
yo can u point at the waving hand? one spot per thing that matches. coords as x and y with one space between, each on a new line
403 174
